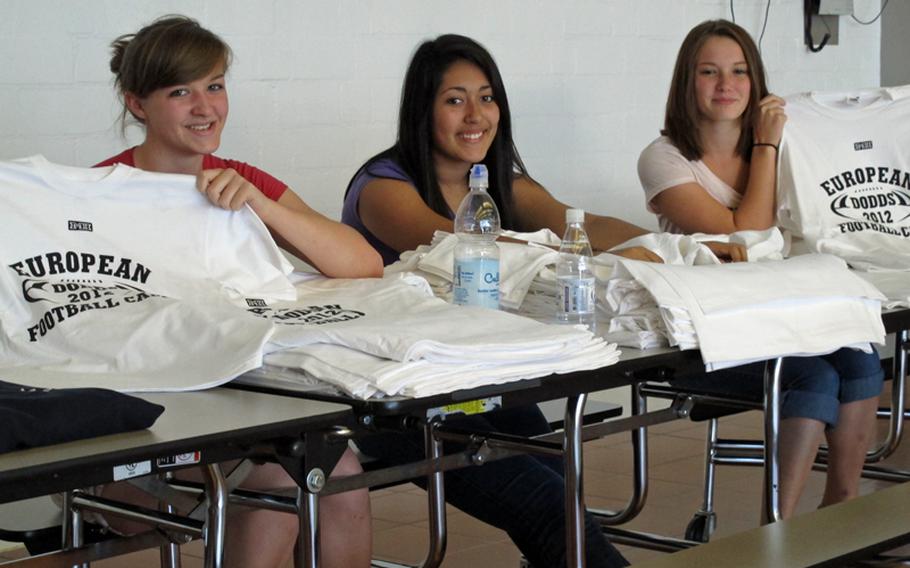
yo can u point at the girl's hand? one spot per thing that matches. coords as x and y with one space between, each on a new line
728 252
769 122
228 189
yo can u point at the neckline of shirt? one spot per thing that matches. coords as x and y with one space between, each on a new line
849 104
79 182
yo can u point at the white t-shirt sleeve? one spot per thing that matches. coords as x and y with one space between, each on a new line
661 166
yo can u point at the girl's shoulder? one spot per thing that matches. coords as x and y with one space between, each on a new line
386 168
661 146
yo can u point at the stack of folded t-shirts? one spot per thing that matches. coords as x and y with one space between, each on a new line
527 270
627 313
742 312
391 336
519 263
894 284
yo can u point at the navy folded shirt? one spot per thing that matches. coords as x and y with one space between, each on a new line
31 417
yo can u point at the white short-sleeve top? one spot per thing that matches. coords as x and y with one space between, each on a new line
661 166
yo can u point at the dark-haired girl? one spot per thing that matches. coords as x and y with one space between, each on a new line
454 112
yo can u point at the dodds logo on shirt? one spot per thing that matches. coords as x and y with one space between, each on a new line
60 279
308 315
872 199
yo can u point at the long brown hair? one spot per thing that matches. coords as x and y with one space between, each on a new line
681 121
170 51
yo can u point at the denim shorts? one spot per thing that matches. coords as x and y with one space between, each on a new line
812 387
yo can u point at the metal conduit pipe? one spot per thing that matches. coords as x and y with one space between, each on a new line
536 445
680 408
639 495
647 540
84 502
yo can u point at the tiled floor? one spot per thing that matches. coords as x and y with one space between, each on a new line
676 472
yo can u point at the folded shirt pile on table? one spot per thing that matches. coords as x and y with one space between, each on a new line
91 297
519 264
626 313
394 337
629 312
738 313
734 313
128 280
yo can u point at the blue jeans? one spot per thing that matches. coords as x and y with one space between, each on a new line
522 495
812 387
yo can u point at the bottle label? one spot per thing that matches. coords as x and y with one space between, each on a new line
475 282
576 295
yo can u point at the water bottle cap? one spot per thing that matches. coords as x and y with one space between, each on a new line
575 215
479 178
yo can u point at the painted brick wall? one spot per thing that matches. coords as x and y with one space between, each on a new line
315 84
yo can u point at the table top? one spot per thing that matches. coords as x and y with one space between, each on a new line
634 365
209 426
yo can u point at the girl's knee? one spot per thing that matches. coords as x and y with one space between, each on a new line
268 476
348 464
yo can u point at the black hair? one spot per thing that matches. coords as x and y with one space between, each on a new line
413 150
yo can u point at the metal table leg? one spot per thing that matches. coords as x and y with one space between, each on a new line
898 388
639 466
170 552
436 511
436 502
772 430
575 499
72 526
307 554
217 493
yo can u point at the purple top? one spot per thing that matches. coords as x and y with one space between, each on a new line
383 168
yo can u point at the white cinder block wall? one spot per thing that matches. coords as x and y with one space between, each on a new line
315 84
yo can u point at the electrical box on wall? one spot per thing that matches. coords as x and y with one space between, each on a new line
835 7
821 21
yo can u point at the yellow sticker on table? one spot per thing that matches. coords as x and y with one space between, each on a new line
467 408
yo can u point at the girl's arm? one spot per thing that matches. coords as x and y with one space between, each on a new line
396 214
537 209
334 249
690 207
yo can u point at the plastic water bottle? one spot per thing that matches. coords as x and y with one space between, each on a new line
575 273
475 274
